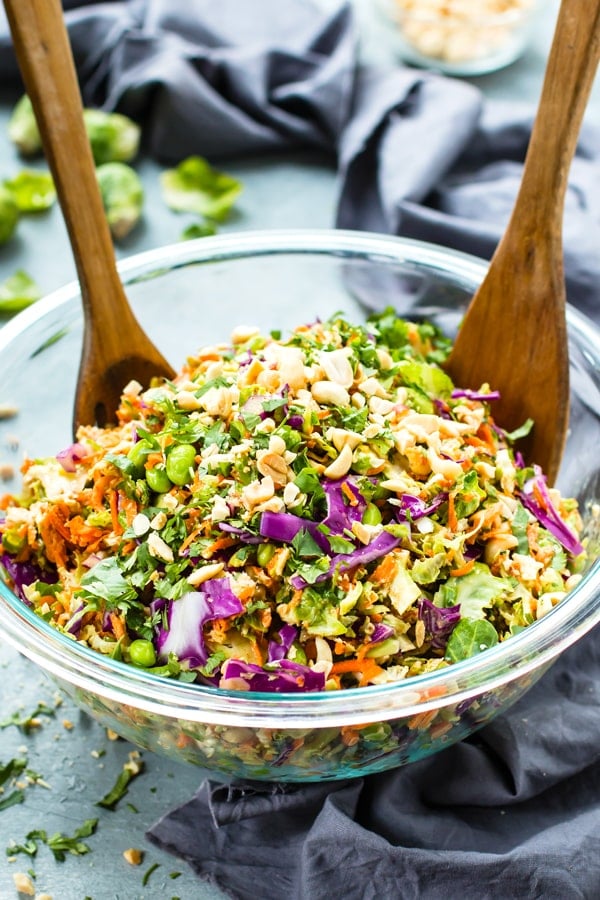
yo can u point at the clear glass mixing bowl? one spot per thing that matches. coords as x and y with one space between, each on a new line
192 294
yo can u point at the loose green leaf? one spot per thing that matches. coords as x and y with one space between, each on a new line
11 769
520 432
130 769
7 800
106 581
305 545
60 844
194 186
29 847
198 230
17 292
149 872
32 191
9 214
25 722
470 637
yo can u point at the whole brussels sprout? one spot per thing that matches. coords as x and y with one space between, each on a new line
9 214
114 138
122 196
23 130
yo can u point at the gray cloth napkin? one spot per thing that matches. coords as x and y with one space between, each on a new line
511 812
515 810
416 155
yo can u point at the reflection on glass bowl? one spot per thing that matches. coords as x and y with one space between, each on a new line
193 294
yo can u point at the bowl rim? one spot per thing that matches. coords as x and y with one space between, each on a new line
530 650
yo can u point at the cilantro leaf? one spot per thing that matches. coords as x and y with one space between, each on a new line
26 721
107 582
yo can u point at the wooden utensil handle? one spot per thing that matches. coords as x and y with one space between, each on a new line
572 63
50 79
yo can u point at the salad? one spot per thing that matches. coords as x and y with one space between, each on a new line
316 512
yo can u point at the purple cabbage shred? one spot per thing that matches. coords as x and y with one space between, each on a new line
187 616
284 677
439 621
279 649
415 508
71 455
22 574
381 633
475 395
383 544
547 514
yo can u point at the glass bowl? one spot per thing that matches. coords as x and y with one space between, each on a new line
460 37
192 294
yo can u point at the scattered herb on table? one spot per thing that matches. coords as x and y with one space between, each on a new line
25 722
132 768
58 843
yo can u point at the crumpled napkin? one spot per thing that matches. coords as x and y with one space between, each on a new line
514 811
417 154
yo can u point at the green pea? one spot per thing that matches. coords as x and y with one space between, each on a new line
158 480
142 653
137 456
371 515
264 554
180 463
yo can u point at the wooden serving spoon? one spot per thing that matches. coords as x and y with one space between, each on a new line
115 348
514 334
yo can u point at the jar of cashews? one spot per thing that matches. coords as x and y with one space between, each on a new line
461 37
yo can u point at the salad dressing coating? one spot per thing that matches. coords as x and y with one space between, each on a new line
307 513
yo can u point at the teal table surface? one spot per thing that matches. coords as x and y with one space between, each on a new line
74 757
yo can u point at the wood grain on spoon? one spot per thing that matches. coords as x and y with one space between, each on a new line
514 333
115 348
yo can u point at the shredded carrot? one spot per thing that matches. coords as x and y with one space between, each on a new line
258 654
128 547
101 485
474 441
118 625
385 570
245 592
220 544
189 539
367 668
154 459
539 496
128 506
347 492
431 693
464 569
422 720
452 520
114 513
487 435
83 535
